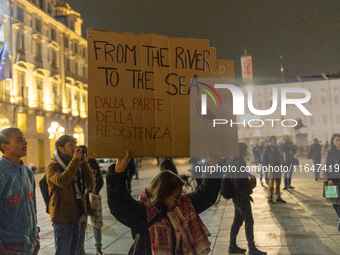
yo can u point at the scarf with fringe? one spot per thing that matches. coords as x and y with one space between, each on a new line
190 232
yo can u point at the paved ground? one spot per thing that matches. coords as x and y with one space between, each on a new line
305 225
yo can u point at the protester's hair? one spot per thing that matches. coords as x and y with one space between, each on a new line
271 138
333 147
163 185
242 147
64 140
5 134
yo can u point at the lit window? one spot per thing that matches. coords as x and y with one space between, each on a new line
21 121
40 124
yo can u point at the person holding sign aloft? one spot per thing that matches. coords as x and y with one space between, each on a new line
165 220
332 174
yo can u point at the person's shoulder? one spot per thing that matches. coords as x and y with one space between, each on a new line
4 171
52 165
92 161
330 153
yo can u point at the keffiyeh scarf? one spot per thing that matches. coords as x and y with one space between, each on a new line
190 232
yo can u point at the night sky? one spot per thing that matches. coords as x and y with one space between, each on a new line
305 32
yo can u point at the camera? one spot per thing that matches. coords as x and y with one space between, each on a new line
83 151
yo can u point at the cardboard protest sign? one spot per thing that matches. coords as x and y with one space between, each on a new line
139 92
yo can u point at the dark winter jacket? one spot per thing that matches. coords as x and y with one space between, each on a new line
63 205
268 156
99 177
333 166
132 213
256 151
287 157
241 179
168 164
314 151
131 167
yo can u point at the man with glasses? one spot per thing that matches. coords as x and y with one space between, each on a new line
68 176
18 214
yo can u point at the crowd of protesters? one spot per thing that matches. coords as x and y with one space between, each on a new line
164 219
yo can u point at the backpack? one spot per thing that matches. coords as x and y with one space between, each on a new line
44 191
228 186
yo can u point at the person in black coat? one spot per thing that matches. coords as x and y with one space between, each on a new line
163 199
257 154
168 164
272 157
262 172
288 151
243 213
131 169
332 173
314 153
99 184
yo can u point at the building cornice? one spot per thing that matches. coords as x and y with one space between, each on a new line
40 13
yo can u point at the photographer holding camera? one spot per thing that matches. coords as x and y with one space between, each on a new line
68 176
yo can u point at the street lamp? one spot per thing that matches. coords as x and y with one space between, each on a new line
55 130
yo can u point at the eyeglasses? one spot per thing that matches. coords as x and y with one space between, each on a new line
176 199
20 139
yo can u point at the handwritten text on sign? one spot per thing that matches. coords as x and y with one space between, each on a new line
139 88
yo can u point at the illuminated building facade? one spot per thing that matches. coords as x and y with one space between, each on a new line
323 105
47 95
